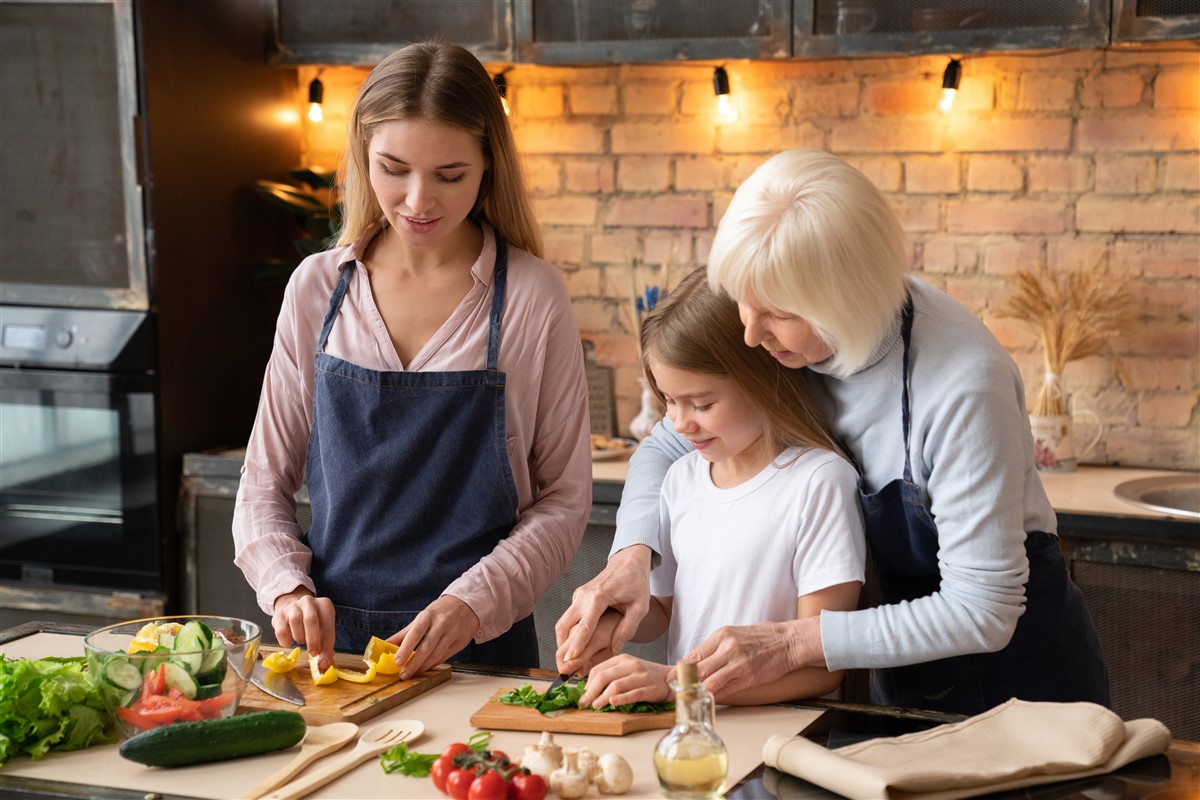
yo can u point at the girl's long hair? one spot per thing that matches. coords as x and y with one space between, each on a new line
698 329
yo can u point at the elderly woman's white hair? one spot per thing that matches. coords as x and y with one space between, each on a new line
809 235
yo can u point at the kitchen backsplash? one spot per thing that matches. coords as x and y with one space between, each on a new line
1073 158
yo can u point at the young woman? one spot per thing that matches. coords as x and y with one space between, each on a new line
759 523
427 383
978 606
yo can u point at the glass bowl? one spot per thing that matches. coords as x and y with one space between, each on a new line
162 670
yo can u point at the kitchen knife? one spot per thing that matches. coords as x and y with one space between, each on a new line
275 685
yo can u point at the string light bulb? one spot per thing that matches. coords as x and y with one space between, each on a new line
950 81
316 96
725 106
502 88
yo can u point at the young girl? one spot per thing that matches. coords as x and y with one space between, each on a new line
427 384
760 523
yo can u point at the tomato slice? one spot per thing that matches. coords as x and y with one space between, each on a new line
211 707
135 719
155 681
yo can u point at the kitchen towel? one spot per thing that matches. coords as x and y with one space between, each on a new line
1016 744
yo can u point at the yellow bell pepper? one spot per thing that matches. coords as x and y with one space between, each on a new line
381 654
282 662
330 675
356 677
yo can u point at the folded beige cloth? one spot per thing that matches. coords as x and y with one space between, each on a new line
1013 745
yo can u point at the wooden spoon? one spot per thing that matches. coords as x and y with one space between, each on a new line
318 741
374 741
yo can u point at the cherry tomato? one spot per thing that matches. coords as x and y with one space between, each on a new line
527 787
499 756
452 750
458 783
489 786
440 769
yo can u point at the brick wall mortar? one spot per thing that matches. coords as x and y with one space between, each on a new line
1085 158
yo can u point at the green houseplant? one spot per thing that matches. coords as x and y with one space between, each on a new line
314 207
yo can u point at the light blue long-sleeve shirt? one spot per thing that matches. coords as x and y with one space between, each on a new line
972 456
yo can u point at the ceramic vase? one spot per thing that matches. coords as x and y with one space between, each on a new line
649 414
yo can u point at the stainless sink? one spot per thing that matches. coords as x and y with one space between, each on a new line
1177 495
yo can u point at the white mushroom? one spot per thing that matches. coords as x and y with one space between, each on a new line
568 781
613 775
588 763
544 757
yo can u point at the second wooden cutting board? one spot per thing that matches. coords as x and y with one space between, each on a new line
343 701
495 715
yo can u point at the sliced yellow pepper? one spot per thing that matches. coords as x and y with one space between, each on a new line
356 677
141 646
330 675
386 665
381 654
282 662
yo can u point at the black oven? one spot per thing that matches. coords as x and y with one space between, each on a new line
79 494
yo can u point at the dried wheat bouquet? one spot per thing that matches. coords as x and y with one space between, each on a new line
1071 315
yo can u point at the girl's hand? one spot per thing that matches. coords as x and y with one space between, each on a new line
446 626
302 618
625 679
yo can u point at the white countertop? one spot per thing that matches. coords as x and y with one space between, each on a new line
1087 490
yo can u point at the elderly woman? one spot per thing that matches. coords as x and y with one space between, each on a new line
976 603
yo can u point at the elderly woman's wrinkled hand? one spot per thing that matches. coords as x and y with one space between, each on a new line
736 658
623 586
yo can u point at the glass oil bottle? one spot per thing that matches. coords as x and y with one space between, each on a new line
691 760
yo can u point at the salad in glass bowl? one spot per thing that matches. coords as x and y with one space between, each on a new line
159 671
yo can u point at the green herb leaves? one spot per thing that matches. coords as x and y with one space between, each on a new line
567 696
401 759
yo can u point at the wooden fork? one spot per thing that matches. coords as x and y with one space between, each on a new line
373 742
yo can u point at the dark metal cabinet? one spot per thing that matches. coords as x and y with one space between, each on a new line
880 27
1155 20
621 31
364 32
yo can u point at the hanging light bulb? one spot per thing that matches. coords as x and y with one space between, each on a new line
950 80
725 106
316 96
502 87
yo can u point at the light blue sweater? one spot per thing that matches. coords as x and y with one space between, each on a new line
972 456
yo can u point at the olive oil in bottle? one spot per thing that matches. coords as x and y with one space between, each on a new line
691 760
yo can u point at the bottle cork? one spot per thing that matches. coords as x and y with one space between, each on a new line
686 673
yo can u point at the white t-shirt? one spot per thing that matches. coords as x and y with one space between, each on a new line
743 555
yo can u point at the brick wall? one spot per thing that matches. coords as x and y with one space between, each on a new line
1074 158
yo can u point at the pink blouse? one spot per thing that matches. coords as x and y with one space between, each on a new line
546 413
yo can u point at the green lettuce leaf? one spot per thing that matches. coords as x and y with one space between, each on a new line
48 703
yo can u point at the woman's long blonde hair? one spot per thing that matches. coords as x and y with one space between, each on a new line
443 83
698 329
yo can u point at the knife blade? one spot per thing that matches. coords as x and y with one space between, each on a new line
275 685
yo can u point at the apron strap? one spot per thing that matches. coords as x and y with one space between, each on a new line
500 275
906 413
335 303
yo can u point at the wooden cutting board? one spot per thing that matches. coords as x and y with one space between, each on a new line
342 701
495 715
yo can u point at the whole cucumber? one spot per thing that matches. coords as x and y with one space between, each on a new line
185 743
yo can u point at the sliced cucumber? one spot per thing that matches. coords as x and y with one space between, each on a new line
179 678
214 661
207 690
193 638
122 674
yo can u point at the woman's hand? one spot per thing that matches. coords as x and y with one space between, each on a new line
625 679
301 617
624 586
735 658
446 626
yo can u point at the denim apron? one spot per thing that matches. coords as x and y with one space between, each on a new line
411 486
1054 653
